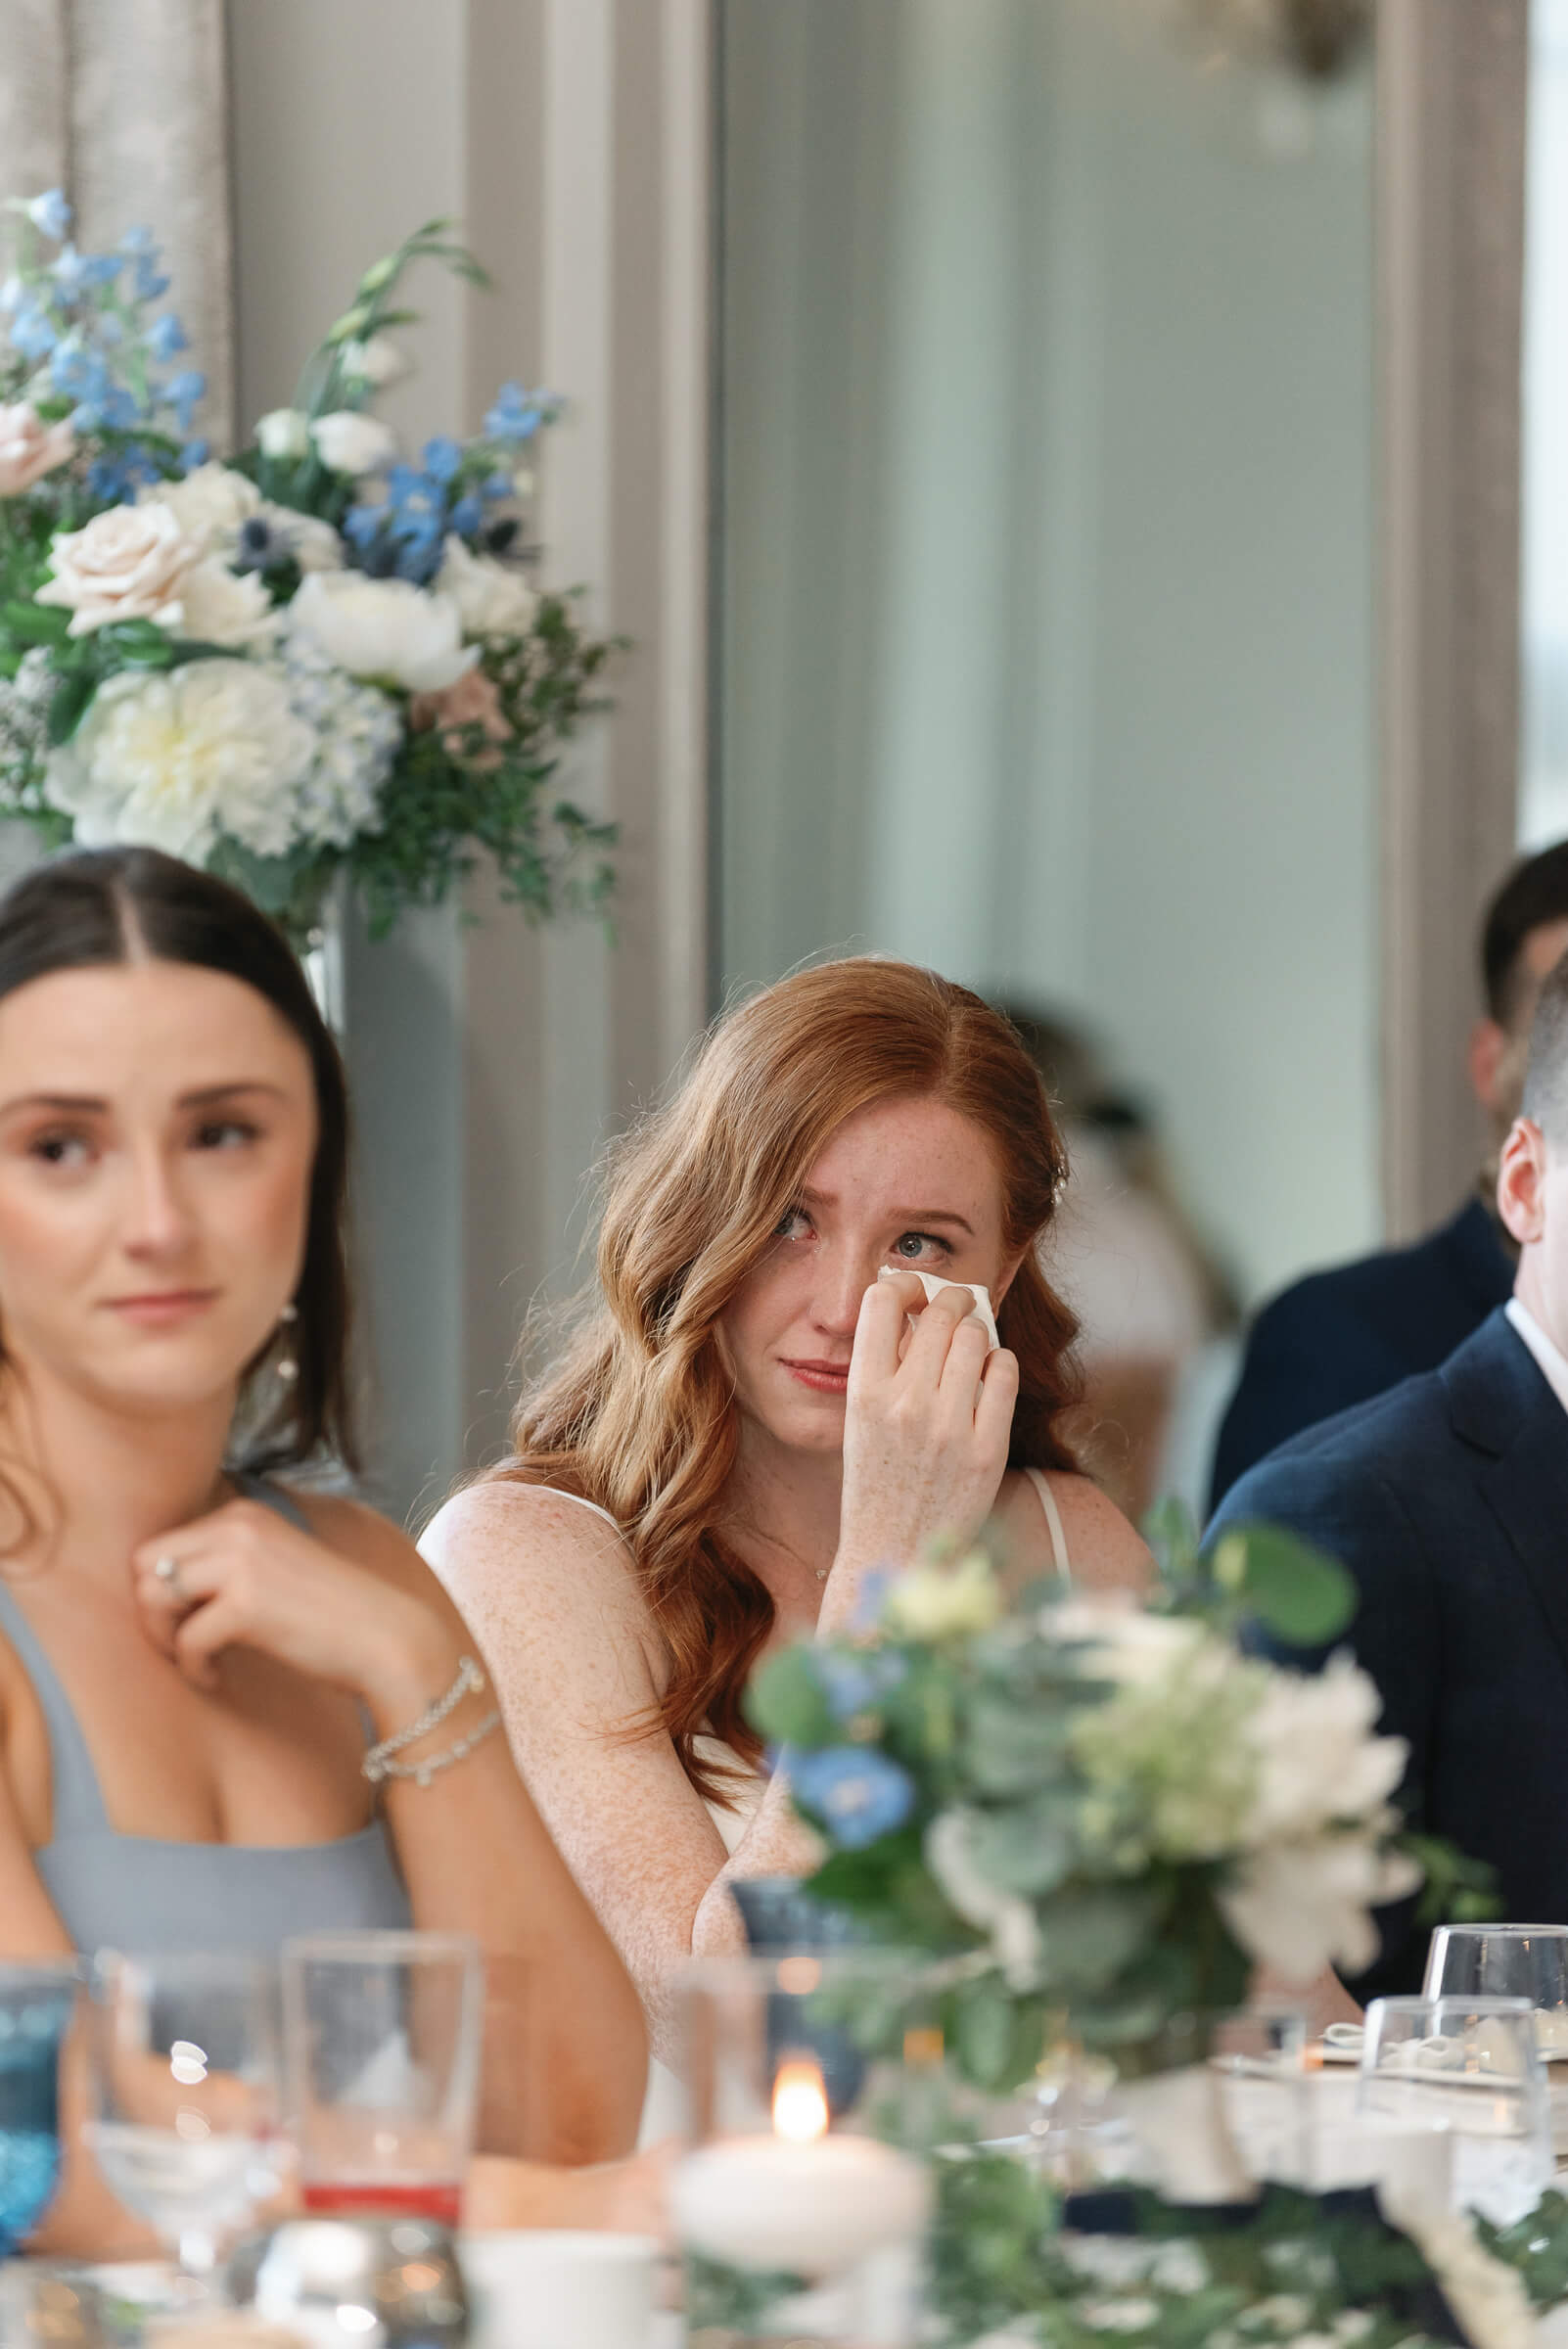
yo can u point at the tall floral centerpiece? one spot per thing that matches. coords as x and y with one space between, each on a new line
316 657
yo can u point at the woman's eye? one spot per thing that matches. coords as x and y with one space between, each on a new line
60 1149
223 1134
913 1247
794 1225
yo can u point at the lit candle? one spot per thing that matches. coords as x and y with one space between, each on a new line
798 2201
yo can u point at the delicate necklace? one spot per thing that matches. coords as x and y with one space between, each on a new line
822 1573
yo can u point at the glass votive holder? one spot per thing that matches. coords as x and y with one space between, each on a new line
801 2205
1470 2069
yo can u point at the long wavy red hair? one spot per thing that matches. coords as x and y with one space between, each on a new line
639 1416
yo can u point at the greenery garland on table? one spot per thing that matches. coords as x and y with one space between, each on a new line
313 657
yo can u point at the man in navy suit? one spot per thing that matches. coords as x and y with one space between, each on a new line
1448 1499
1341 1336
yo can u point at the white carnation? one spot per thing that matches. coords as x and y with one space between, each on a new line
352 443
175 758
223 606
212 504
493 598
284 433
387 631
1320 1761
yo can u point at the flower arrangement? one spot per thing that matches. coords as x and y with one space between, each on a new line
1108 1816
312 657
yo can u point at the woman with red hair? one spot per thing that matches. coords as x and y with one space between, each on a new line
747 1424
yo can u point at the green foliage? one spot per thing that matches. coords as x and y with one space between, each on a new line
1536 2247
1256 1573
994 2222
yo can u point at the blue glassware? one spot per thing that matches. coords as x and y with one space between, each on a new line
36 2005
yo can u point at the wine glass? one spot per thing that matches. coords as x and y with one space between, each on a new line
37 2002
1514 1961
183 2080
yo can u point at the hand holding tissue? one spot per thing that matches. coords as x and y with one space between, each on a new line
931 1283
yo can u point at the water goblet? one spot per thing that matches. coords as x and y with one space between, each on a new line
1514 1961
1467 2069
37 2004
183 2091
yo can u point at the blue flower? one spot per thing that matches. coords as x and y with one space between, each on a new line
121 408
109 478
517 414
137 241
70 271
496 484
33 333
80 374
165 336
419 560
442 456
466 515
402 480
100 268
857 1793
857 1683
361 526
50 214
261 547
149 284
183 391
194 453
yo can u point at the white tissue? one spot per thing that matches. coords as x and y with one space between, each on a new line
931 1283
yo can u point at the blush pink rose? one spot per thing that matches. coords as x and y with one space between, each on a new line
30 448
128 563
472 702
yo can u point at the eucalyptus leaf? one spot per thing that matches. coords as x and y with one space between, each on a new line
1088 1936
1010 1746
1296 1591
785 1702
1029 1847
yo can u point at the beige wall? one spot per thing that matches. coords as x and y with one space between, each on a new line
491 1063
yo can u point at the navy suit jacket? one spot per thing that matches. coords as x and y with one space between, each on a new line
1342 1336
1448 1499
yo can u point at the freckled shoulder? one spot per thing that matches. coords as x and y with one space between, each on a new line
1105 1551
524 1554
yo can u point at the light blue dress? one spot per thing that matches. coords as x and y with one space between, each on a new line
139 1893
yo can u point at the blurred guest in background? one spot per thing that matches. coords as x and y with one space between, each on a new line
1148 1292
1447 1499
193 1655
1343 1335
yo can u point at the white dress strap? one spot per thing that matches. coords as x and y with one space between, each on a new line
561 1494
1053 1520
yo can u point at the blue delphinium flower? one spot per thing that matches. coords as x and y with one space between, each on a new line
183 391
857 1792
33 333
855 1685
111 477
165 336
195 453
442 456
148 283
517 415
137 241
50 214
497 484
466 516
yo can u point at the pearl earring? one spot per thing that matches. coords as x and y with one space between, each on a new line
287 1366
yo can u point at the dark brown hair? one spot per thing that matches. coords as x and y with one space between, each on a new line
1534 894
90 907
639 1417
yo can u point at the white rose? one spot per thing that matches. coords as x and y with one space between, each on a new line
1300 1907
940 1602
176 757
385 629
30 448
377 360
1124 1645
352 443
127 564
1319 1758
494 599
284 433
224 607
210 505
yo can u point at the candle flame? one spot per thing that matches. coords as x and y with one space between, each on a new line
800 2101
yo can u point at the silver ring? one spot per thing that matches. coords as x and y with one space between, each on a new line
168 1571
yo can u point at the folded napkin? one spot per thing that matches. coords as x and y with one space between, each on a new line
931 1283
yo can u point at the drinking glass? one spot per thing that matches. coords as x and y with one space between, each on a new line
381 2035
37 2002
1261 2057
1514 1961
183 2096
1469 2068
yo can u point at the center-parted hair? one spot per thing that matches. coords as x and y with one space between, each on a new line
1546 1085
639 1416
90 907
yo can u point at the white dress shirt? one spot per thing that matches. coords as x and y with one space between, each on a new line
1553 1363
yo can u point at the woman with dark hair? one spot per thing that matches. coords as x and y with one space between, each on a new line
746 1426
229 1711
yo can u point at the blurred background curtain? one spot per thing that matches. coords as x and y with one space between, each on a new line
124 104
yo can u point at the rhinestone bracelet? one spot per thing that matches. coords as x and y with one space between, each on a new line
422 1773
377 1763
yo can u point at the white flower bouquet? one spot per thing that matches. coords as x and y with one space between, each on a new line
1110 1814
314 656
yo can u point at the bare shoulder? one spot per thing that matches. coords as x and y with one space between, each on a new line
543 1564
1104 1551
357 1532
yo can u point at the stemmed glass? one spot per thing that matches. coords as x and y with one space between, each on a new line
183 2084
1514 1961
37 2002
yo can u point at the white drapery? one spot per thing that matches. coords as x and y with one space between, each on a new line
124 105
